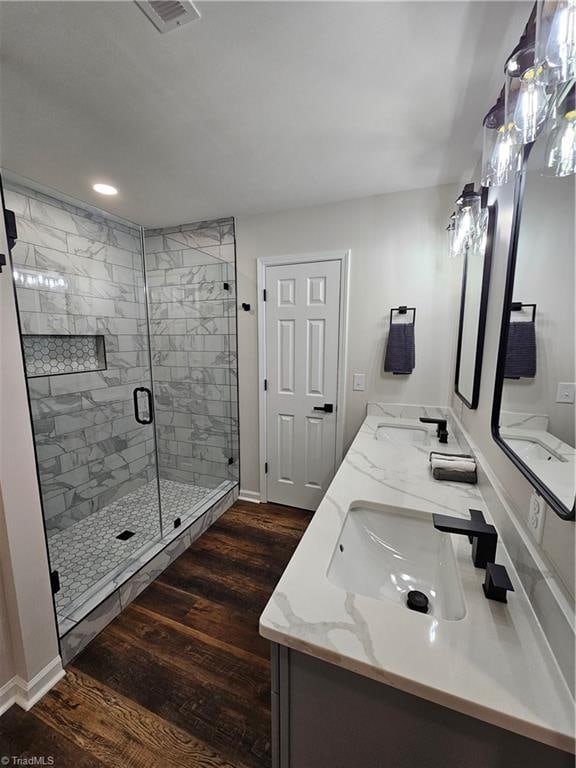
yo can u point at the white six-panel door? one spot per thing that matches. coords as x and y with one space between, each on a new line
302 333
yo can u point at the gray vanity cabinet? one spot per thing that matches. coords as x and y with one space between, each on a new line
326 717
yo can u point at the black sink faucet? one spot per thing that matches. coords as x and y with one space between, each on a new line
441 430
483 536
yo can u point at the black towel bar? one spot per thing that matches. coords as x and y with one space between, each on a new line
518 306
402 310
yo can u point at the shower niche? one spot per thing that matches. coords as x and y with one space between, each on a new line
107 311
51 355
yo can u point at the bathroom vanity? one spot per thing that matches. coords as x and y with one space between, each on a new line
358 679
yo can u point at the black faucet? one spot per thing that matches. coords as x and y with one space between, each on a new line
441 431
483 536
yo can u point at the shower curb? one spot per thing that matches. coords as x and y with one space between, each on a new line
79 636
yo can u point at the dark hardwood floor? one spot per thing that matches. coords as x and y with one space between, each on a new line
181 677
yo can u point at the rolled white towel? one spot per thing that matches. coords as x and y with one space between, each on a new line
450 456
458 465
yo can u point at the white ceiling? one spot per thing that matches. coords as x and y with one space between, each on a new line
256 107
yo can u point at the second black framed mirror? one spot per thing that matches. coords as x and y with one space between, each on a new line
477 258
533 416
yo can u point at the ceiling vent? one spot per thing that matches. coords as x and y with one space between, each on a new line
167 15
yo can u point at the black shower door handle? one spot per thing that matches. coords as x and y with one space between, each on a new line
136 405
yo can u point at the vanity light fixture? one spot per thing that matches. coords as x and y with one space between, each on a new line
465 224
467 217
561 145
527 95
104 189
556 39
451 228
501 155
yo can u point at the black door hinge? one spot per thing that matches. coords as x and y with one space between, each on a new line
265 385
177 522
11 234
55 582
265 467
264 294
231 460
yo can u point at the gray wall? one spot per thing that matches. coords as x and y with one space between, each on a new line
558 541
399 247
29 641
91 450
193 340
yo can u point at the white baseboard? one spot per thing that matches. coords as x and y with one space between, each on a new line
252 496
27 693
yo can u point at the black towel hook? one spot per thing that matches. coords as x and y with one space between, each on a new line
518 306
402 310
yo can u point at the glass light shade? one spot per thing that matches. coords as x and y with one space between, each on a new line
527 96
501 155
466 223
561 144
556 39
453 248
481 234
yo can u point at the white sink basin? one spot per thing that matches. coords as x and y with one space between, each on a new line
384 552
397 433
529 449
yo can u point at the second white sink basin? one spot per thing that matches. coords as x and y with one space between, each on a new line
398 433
385 552
528 448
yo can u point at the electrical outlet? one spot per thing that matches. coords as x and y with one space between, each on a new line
565 392
536 516
359 382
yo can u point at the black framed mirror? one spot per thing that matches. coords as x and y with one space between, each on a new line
533 416
473 306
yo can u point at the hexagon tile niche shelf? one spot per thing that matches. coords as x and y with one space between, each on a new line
51 355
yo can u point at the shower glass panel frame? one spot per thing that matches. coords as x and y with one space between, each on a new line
191 274
79 276
132 383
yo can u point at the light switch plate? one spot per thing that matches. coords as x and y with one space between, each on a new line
536 516
359 382
565 392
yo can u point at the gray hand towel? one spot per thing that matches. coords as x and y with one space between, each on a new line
455 475
521 351
400 350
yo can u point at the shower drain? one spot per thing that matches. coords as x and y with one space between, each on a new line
125 535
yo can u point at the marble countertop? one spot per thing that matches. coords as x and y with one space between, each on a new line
494 664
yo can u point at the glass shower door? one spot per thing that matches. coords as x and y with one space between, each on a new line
191 280
80 288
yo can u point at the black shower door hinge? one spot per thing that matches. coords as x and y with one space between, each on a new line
55 582
231 460
226 286
11 234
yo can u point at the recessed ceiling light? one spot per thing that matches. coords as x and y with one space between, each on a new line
105 189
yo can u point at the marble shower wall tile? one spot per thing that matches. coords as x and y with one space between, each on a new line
191 289
90 448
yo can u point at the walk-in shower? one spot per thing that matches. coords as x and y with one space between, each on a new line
129 342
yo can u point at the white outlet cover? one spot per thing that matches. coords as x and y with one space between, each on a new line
565 392
536 516
359 382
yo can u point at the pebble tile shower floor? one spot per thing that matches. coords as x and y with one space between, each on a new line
90 550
